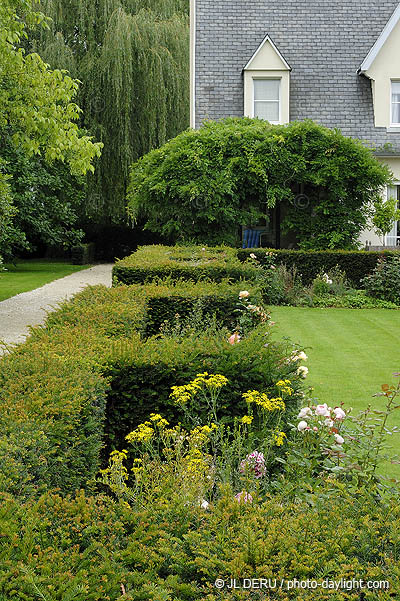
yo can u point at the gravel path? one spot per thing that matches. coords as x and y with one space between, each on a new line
30 308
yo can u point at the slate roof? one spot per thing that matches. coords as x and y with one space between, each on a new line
325 43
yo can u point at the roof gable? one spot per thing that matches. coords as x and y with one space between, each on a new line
267 56
377 47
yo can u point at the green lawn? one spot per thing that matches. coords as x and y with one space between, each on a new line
28 275
351 352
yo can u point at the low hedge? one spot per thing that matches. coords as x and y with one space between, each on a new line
55 388
356 264
95 549
193 263
141 376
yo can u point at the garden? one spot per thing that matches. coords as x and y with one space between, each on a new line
159 440
173 438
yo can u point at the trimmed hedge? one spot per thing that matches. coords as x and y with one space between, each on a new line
53 388
83 254
355 264
167 550
150 263
142 375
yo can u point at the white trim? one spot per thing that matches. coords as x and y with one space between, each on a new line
376 48
193 63
393 124
265 40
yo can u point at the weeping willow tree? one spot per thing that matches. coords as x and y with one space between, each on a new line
132 57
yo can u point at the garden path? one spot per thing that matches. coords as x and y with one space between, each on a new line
30 308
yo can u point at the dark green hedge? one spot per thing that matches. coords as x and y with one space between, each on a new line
356 264
150 263
141 376
83 254
53 388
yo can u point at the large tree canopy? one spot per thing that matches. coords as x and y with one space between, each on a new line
204 183
37 109
132 57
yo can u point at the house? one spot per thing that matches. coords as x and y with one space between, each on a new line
335 62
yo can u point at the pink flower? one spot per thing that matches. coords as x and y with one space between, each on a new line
244 497
234 339
322 410
339 413
339 439
253 463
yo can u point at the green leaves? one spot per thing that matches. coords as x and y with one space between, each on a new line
203 184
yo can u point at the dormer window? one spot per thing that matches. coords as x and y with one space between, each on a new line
266 84
267 95
395 103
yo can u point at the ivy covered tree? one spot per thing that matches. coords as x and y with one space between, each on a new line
132 57
204 183
37 108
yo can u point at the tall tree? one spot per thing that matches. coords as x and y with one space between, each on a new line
37 107
132 57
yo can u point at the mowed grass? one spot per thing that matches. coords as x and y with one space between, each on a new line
351 353
31 274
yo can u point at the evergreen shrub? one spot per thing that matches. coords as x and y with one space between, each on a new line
150 263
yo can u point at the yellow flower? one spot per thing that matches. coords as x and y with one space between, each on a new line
246 419
161 422
279 438
284 385
261 400
143 433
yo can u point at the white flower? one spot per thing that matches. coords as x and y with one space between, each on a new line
203 248
325 277
339 413
305 412
329 422
339 439
322 410
302 371
253 256
204 504
298 356
302 426
244 294
302 356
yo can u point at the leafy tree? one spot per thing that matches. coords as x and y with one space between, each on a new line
386 213
47 200
132 57
204 183
36 105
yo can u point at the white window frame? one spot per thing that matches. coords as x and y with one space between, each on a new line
392 123
393 237
279 79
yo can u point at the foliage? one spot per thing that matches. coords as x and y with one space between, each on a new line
126 53
82 254
384 281
37 104
386 213
169 550
47 200
202 185
194 263
355 264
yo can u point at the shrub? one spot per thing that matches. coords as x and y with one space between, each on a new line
384 281
141 375
82 254
150 263
355 264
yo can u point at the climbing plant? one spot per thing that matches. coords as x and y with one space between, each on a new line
132 57
203 184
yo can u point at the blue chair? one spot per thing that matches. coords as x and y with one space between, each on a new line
251 238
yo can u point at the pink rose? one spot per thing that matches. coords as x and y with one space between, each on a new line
234 339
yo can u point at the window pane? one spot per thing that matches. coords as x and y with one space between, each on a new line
267 110
267 89
395 91
396 113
